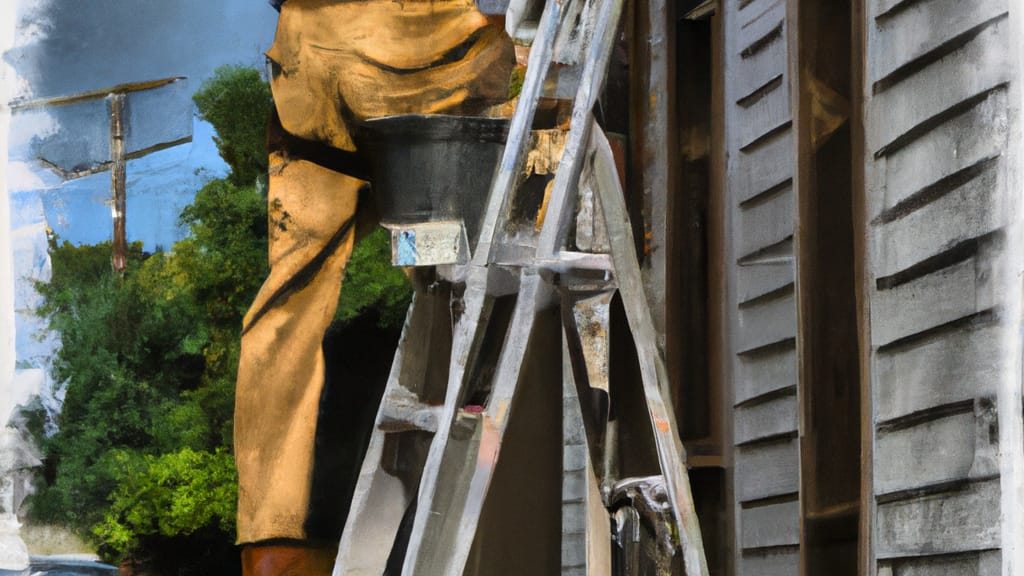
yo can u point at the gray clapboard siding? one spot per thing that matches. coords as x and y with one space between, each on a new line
946 522
757 280
968 212
949 151
760 66
762 168
929 453
977 564
773 417
762 111
767 321
766 470
936 128
926 27
747 101
780 562
749 10
937 298
884 6
765 372
744 7
901 110
766 222
771 525
759 22
948 368
759 186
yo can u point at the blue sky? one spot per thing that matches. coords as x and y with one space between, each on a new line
66 47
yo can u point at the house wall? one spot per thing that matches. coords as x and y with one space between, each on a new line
760 276
937 123
939 261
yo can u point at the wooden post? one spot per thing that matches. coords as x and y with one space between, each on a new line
828 351
654 142
117 181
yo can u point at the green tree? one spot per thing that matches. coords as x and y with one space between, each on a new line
150 361
237 102
169 496
125 353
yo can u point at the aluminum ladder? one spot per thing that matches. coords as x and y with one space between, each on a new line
466 356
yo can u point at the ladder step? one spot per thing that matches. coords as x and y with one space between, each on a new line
402 411
578 271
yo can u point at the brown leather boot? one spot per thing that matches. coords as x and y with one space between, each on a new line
287 560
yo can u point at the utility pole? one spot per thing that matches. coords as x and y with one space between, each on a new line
117 98
117 182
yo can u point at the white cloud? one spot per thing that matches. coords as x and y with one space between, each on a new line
33 24
25 22
27 125
22 176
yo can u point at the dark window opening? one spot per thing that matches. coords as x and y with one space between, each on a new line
691 348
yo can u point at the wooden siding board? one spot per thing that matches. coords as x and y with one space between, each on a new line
923 27
963 141
766 372
762 116
767 322
764 167
772 525
766 419
766 223
937 298
988 563
771 563
936 126
876 7
948 522
981 65
758 280
945 369
972 210
930 453
757 69
762 21
752 10
766 470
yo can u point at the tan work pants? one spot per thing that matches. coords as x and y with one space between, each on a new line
336 61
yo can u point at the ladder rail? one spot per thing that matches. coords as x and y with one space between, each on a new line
451 533
468 330
375 488
466 336
514 154
553 232
671 454
447 516
557 220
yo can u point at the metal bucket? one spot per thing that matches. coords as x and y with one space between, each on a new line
432 168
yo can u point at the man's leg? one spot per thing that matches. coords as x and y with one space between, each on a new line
281 370
328 71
